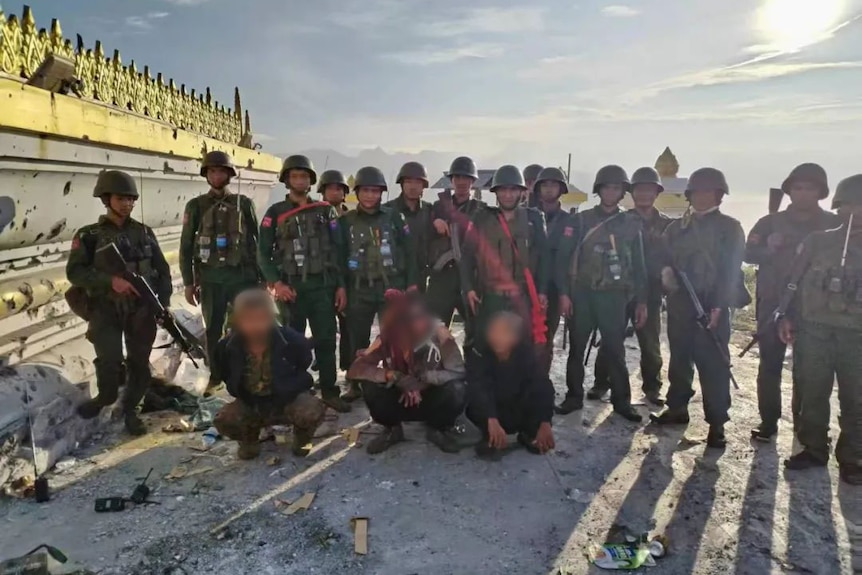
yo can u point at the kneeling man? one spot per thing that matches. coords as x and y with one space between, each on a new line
413 372
265 367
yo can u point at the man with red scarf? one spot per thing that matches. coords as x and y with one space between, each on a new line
413 372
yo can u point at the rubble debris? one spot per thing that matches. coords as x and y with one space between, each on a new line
303 503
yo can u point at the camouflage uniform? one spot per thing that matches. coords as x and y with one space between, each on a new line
773 268
828 318
419 220
114 318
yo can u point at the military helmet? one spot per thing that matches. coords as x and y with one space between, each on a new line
848 192
412 170
531 172
369 176
115 182
218 159
551 175
611 175
297 162
463 166
332 177
647 175
508 175
707 179
808 172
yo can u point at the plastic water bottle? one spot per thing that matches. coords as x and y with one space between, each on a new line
210 436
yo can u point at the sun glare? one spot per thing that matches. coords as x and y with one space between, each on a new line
791 24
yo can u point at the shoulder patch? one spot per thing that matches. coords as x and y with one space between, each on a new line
333 224
185 217
568 231
76 242
266 222
754 239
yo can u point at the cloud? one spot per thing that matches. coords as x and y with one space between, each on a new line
620 11
187 2
552 68
437 55
144 22
371 15
488 21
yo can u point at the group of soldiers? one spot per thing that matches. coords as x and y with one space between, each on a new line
601 269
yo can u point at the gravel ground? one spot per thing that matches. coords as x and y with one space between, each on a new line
436 514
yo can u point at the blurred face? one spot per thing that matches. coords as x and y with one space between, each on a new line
508 197
420 326
122 205
299 181
550 192
462 185
804 195
611 194
702 200
333 194
644 195
254 324
218 177
501 336
369 197
412 188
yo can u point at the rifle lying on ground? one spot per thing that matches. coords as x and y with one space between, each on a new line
703 321
110 260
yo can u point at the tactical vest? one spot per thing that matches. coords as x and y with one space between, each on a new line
374 253
304 245
136 248
832 295
220 236
603 265
498 265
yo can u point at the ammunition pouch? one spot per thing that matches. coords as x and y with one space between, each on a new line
79 302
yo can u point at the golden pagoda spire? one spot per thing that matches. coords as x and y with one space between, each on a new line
667 164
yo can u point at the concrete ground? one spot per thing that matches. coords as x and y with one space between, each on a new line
436 514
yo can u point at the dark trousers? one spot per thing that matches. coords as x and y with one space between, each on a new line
520 415
439 408
110 324
552 321
772 352
649 342
216 298
605 311
691 346
444 297
344 357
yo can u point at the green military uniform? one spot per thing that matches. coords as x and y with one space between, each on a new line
115 318
299 247
444 282
773 259
708 247
218 249
499 267
601 264
375 256
418 219
653 226
827 312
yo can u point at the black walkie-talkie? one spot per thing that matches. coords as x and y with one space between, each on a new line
142 491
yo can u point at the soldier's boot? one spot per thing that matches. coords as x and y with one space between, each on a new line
353 393
654 397
90 408
676 416
445 442
334 400
302 442
569 405
134 424
597 392
764 432
248 449
527 443
850 474
715 438
629 412
486 452
387 438
803 460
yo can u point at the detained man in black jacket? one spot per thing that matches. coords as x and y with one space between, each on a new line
265 367
509 391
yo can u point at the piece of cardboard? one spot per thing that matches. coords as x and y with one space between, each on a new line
360 535
303 503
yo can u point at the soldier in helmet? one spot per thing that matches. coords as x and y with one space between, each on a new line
451 215
600 269
824 324
771 246
299 258
506 246
413 179
218 247
531 174
333 188
549 186
114 309
646 186
708 246
375 248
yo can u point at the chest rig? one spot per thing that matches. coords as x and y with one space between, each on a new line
304 244
373 255
219 241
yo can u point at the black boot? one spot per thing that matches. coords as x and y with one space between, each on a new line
302 439
654 397
442 440
353 393
850 474
334 400
677 416
629 412
803 460
764 432
596 393
387 438
89 409
134 424
715 438
486 452
569 405
527 443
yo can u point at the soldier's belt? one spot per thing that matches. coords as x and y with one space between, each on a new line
444 260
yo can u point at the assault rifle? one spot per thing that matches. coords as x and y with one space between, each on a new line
110 260
703 321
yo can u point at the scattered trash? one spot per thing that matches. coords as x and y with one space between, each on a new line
281 434
65 464
387 485
210 436
302 503
350 435
273 461
36 562
360 535
627 550
183 472
181 426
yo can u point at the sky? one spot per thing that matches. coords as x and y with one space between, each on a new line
752 87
